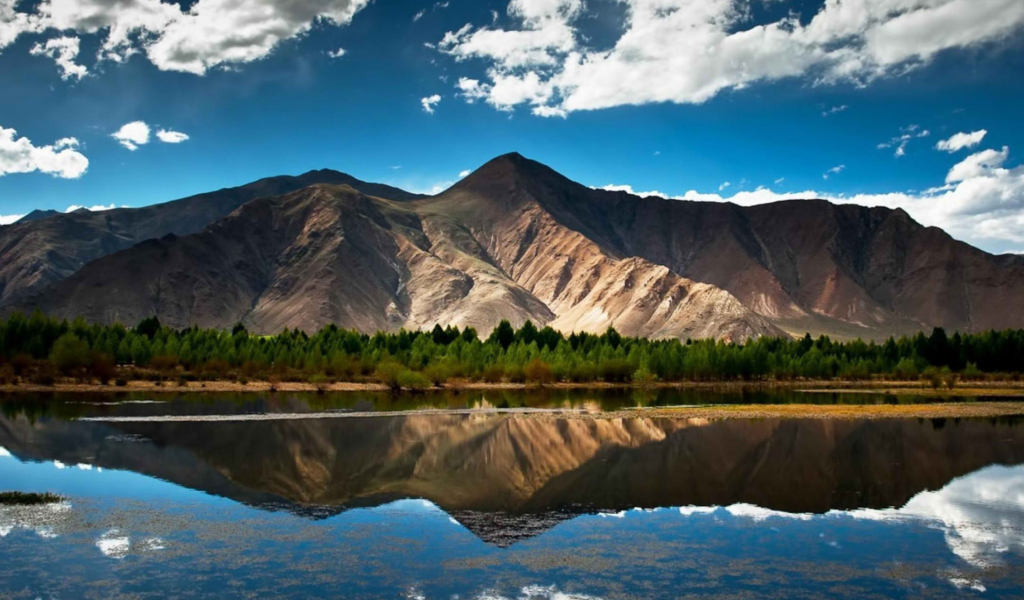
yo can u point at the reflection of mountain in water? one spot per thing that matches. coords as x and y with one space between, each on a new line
507 477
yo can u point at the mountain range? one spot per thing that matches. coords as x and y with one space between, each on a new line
513 240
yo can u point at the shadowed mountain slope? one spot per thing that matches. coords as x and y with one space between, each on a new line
45 247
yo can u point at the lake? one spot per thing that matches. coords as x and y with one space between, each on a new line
505 495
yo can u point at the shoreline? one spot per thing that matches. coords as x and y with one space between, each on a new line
898 388
706 412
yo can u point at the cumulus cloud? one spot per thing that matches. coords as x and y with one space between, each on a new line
209 34
132 135
337 53
688 51
429 103
63 51
137 133
171 137
464 173
960 141
981 201
60 159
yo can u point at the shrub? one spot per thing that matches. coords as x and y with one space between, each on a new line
437 374
643 377
539 372
102 367
615 370
493 373
120 382
388 373
69 354
933 376
583 373
515 374
412 380
164 362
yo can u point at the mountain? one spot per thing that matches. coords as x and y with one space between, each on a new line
516 240
45 247
38 214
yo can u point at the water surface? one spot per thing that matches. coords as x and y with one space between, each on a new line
501 505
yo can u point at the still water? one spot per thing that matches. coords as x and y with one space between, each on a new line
347 496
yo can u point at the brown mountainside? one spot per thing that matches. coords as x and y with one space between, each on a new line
47 246
515 240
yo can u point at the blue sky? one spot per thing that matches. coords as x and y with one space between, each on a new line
674 96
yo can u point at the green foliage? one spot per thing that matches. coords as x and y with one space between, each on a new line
41 349
69 353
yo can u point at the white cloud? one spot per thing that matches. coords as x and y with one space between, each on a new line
908 133
723 185
94 208
960 141
61 159
834 110
688 51
63 51
171 137
980 164
419 15
8 219
779 180
833 171
209 34
464 173
132 135
337 53
429 103
981 202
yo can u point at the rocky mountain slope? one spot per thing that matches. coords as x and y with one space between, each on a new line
515 240
44 247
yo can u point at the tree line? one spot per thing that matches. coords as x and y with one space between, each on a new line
42 349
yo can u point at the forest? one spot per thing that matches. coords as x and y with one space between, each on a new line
43 350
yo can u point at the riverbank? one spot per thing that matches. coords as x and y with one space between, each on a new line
963 389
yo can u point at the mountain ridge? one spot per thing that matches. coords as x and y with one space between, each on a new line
517 240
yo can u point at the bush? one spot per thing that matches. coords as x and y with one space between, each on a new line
70 354
615 370
164 362
493 373
539 372
437 374
643 377
933 376
120 382
582 373
388 373
102 367
515 374
412 380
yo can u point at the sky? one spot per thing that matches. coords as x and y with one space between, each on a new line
912 104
